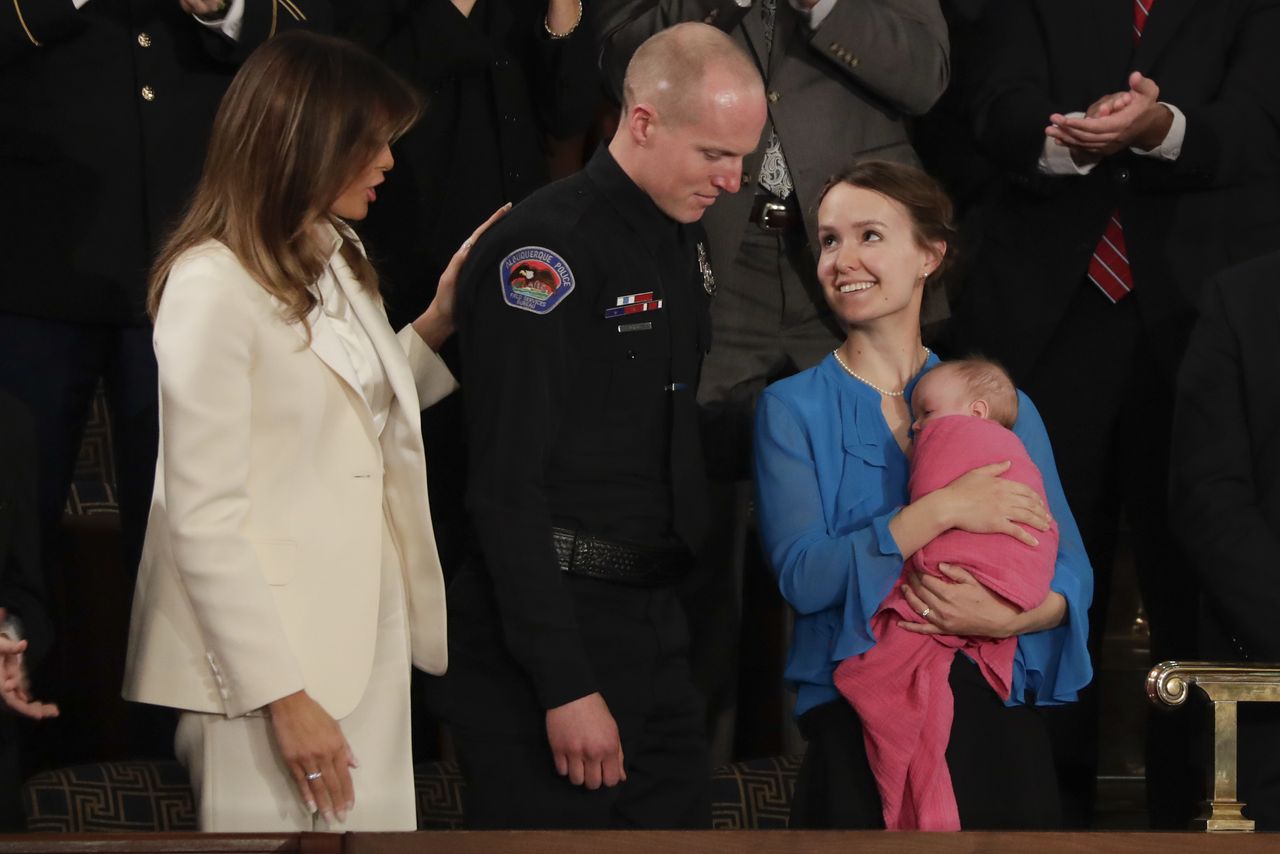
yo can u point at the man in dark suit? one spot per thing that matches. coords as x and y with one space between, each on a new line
105 107
1141 155
1225 496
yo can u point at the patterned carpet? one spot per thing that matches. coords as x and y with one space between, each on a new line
119 797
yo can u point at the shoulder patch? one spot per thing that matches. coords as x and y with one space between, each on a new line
535 279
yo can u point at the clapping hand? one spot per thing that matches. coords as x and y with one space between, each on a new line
15 687
1115 122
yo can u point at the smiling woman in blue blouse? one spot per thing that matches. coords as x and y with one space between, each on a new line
831 472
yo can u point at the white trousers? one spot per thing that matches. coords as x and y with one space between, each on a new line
240 782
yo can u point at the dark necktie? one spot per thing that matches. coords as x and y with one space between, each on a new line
1109 267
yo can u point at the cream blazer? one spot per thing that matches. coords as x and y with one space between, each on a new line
260 569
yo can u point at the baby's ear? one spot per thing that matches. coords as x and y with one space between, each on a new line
979 408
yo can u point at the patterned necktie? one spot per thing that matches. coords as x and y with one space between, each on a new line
1109 266
774 176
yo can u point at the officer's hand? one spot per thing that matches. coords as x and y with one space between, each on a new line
584 742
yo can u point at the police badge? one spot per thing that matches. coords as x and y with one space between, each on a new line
704 265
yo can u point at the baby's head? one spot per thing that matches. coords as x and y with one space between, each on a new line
973 386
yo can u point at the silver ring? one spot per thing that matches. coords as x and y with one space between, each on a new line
926 612
314 775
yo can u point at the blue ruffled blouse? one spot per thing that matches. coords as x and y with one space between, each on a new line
829 478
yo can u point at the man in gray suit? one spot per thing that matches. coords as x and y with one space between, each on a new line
841 76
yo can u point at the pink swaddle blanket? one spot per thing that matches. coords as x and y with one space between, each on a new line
900 687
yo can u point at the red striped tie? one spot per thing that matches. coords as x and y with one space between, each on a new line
1140 13
1109 266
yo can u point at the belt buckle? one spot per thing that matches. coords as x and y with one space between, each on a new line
767 211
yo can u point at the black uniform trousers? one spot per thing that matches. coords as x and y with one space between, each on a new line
1106 396
637 643
999 756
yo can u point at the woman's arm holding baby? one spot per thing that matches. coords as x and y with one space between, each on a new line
962 606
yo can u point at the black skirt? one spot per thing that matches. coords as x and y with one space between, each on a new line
1000 759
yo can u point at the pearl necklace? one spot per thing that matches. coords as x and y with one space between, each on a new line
851 372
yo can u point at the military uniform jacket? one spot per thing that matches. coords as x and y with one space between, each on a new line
583 321
105 113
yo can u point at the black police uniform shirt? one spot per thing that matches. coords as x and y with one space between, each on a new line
583 322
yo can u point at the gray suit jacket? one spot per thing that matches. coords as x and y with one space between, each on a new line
837 94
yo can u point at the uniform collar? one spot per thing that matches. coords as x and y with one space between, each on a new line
634 205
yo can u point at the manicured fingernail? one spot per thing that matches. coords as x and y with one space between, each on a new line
328 816
342 816
311 807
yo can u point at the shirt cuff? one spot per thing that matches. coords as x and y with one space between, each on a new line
815 14
1171 147
229 25
819 12
79 4
885 544
1056 158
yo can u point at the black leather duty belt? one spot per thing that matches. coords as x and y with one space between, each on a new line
606 560
773 214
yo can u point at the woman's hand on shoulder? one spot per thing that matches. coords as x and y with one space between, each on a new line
316 753
437 323
982 502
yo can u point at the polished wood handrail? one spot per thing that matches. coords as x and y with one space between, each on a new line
644 842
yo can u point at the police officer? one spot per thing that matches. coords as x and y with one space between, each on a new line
584 319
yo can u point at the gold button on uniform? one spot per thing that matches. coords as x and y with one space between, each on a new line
773 97
144 40
148 94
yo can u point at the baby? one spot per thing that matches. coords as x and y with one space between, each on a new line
962 413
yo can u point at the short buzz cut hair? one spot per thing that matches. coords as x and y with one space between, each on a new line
668 67
987 379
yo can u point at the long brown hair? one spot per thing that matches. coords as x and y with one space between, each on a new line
304 115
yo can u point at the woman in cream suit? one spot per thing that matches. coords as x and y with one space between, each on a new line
289 574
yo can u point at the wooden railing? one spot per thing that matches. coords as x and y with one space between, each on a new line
645 842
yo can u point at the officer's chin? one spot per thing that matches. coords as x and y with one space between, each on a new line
692 214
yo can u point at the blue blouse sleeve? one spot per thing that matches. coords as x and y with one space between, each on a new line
817 569
1054 664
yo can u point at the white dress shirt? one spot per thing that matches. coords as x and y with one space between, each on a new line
333 316
1056 158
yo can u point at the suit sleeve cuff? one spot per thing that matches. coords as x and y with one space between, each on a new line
1056 158
1170 148
817 13
229 24
431 375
